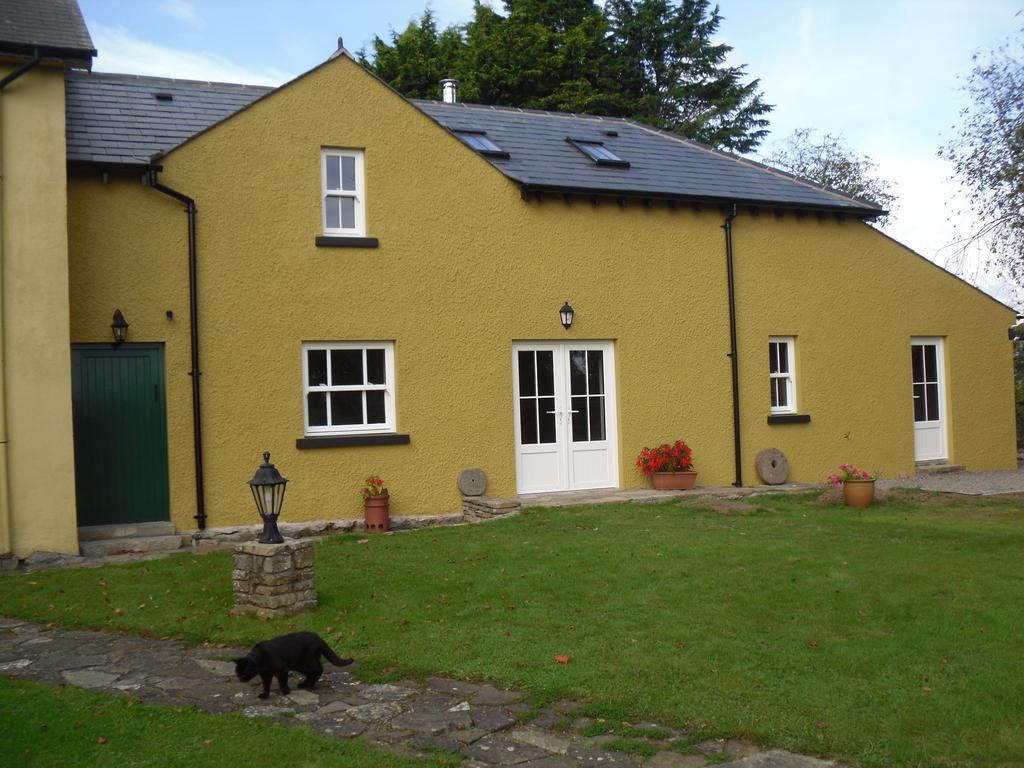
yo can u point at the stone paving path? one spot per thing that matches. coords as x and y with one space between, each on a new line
478 720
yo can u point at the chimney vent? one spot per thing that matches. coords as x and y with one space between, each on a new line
449 92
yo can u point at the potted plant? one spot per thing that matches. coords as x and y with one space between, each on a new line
376 501
669 466
858 485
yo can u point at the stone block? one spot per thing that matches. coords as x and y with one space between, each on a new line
243 562
305 555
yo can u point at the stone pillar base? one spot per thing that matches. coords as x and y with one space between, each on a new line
476 508
274 580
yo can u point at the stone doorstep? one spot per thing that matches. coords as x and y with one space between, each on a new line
939 468
125 531
138 544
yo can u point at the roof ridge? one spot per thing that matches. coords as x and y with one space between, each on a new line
94 75
521 110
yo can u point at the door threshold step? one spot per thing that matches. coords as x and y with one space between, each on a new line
938 469
130 544
125 530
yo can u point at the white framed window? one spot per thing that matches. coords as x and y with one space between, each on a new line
343 192
782 373
348 387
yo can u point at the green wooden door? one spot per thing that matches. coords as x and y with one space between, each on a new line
120 418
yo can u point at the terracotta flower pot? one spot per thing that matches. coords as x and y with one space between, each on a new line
376 512
674 481
858 493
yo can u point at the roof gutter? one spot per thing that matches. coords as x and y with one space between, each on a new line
734 357
197 434
6 544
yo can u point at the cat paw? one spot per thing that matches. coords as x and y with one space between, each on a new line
264 696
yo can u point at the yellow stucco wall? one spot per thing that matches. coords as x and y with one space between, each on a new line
36 366
464 269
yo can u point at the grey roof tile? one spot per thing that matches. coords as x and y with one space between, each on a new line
52 25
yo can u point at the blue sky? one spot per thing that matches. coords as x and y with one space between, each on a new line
883 74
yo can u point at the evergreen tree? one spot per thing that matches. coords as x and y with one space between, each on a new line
418 58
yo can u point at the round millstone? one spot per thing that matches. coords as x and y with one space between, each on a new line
472 481
772 466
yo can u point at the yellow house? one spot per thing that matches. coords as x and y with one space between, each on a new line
364 284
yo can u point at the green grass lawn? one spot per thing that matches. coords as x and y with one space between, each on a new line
890 636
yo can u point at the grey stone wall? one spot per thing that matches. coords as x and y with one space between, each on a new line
477 508
273 580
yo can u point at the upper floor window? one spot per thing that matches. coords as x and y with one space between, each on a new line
782 373
348 387
343 192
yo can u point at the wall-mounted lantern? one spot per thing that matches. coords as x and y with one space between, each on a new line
267 487
566 313
119 327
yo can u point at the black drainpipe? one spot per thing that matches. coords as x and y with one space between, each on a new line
727 226
34 61
193 308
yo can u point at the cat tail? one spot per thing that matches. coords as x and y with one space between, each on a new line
332 657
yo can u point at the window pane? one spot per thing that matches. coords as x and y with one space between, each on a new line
528 421
316 405
579 420
932 393
333 172
346 367
773 357
375 406
917 360
595 372
597 418
316 363
775 392
783 393
347 408
546 406
930 367
348 174
348 212
578 372
332 212
783 358
919 407
375 366
545 373
527 384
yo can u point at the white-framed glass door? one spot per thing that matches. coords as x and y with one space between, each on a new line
564 394
927 370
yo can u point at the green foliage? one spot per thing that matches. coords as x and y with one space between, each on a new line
831 163
876 635
650 60
988 155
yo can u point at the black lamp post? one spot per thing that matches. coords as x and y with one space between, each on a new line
268 490
119 327
566 313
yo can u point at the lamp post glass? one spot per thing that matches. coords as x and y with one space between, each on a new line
566 313
268 487
119 327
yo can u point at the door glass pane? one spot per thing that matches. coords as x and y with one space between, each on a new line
316 405
579 419
375 406
597 418
917 360
930 368
347 408
546 373
932 396
375 366
528 421
348 212
595 372
348 174
919 412
346 367
333 172
332 212
527 383
316 362
546 417
578 372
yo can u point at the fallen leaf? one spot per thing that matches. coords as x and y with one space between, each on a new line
821 726
101 740
812 643
329 631
562 659
926 689
118 612
363 541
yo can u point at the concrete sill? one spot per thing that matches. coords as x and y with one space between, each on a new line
789 418
340 441
332 241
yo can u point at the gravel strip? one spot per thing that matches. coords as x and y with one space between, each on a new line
969 483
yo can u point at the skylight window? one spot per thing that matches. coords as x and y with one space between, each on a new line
478 140
598 152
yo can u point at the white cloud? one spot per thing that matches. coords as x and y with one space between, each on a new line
120 51
183 12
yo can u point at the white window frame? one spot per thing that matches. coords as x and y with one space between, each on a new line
358 195
788 376
388 388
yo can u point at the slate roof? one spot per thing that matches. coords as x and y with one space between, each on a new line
118 118
660 163
56 27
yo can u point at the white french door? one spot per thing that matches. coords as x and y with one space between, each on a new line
929 399
564 394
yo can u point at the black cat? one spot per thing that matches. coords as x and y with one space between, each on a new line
300 651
